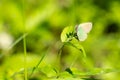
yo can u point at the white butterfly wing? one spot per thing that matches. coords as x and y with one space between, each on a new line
82 35
86 26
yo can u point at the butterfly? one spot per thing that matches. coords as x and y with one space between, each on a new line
82 30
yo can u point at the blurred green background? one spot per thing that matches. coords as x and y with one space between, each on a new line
44 21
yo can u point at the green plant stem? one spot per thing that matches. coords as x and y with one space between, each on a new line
25 58
17 41
59 56
34 68
24 42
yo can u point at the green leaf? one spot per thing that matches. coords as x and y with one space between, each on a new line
69 71
65 74
49 71
94 71
75 43
67 34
